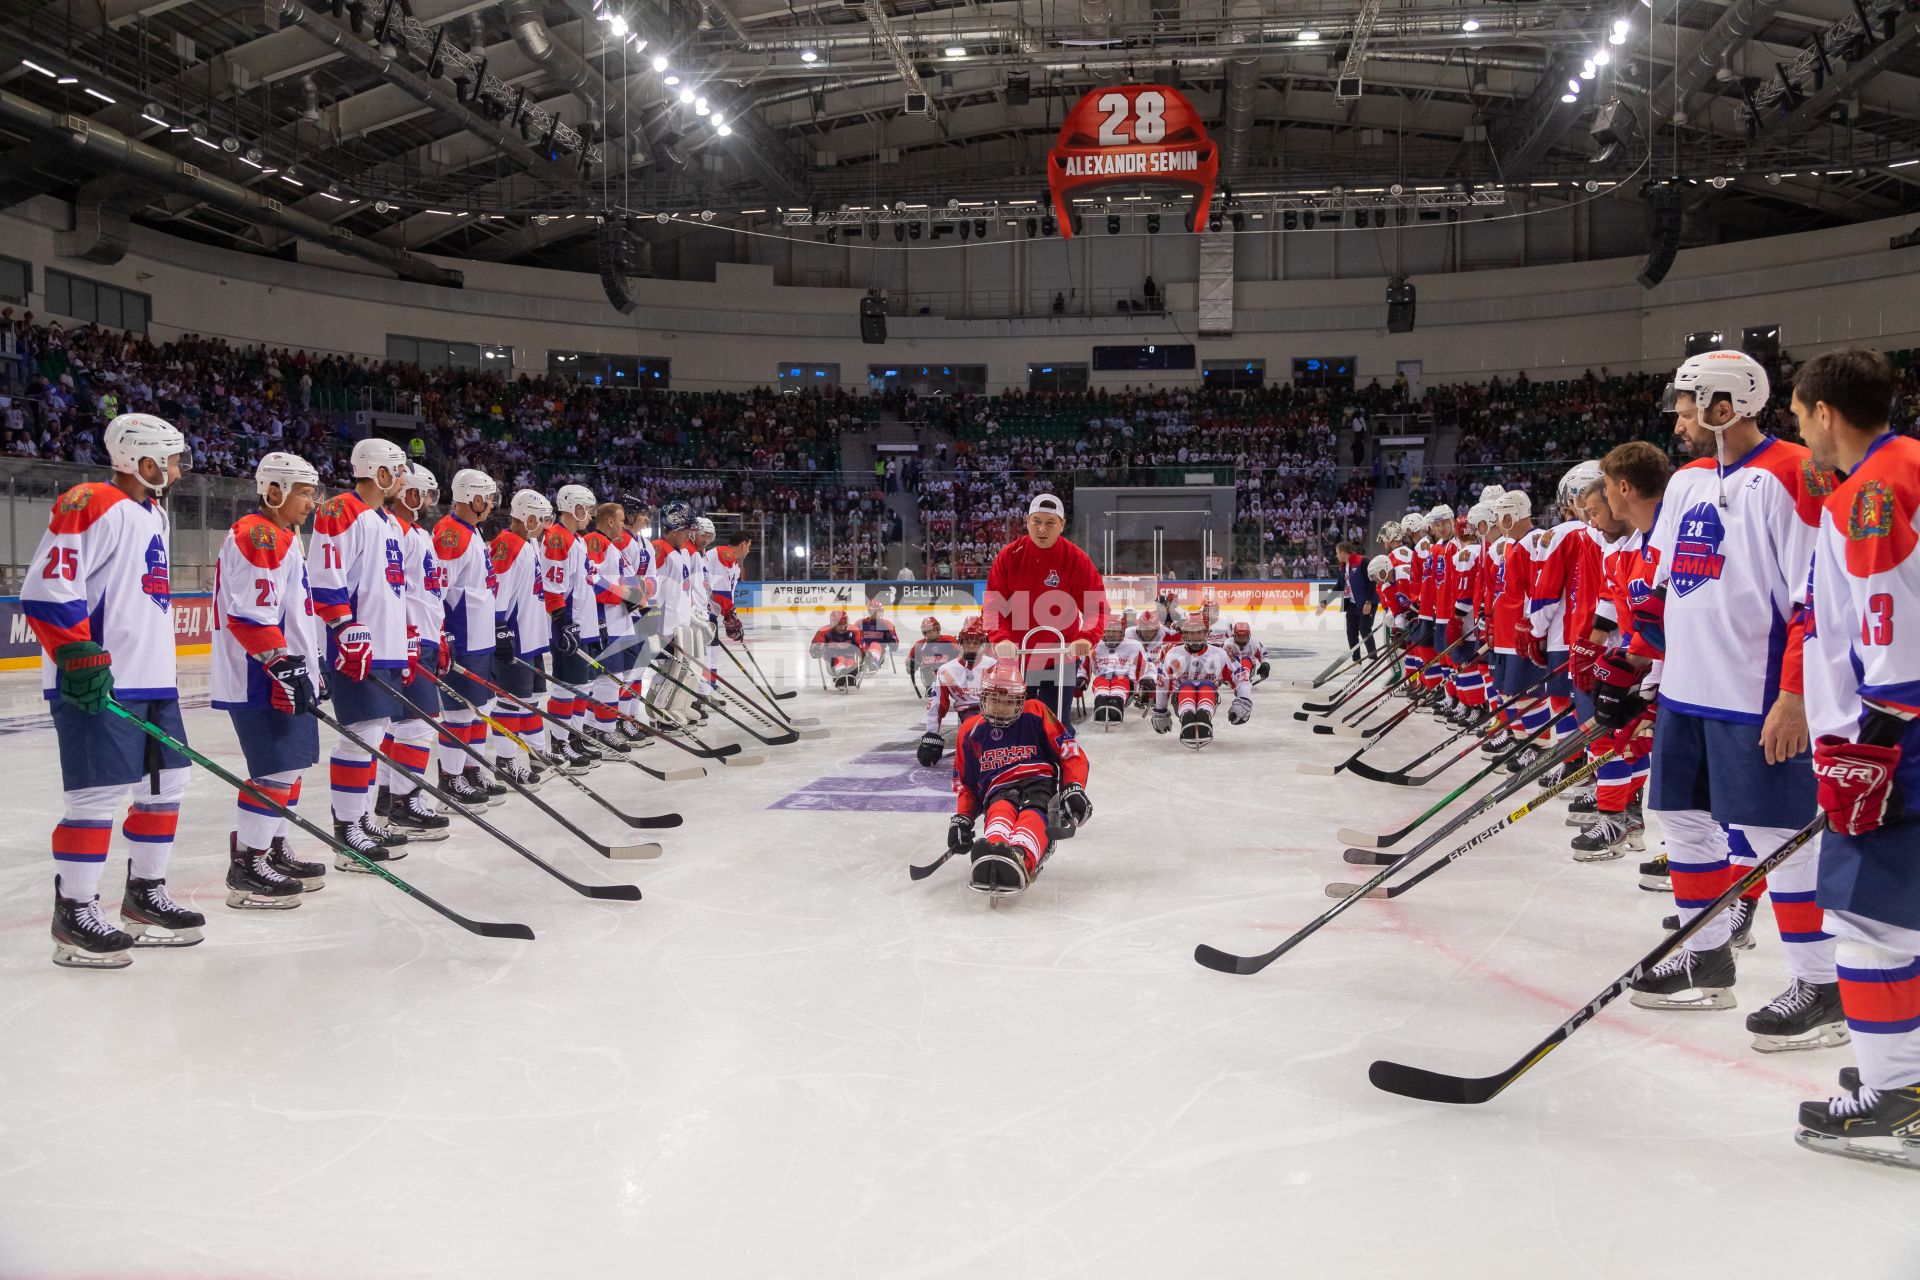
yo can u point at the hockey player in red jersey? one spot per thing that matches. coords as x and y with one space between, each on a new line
878 639
1863 703
1734 541
838 645
1561 601
933 650
97 594
1018 773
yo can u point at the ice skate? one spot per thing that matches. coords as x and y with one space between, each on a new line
1583 808
1742 913
414 816
1688 980
1498 743
356 837
1805 1016
998 868
1196 729
388 837
83 937
1887 1118
147 906
311 875
462 788
1654 876
1612 835
254 885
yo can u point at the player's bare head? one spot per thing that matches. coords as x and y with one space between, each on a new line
1597 510
609 518
1193 633
1839 393
1636 473
1002 695
1046 520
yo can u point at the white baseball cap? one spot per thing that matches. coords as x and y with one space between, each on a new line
1048 503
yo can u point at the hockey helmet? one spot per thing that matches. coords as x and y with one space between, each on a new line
1003 695
1389 532
1580 477
469 484
1438 518
1480 515
1148 623
703 527
573 497
1489 492
929 627
838 618
132 437
530 506
369 456
973 635
1380 568
417 479
675 517
1733 374
1413 526
1193 633
1514 504
285 470
1113 630
1242 632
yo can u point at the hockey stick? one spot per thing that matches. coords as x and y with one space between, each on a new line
1372 671
765 690
1425 697
655 822
1334 668
1227 962
670 775
1419 700
773 719
619 853
765 683
1366 840
481 927
1347 727
1585 771
729 754
780 740
1437 1086
921 873
1402 778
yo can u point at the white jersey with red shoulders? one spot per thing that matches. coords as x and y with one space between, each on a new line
358 570
1210 666
426 583
571 582
100 573
261 605
521 602
636 563
609 598
956 688
1125 660
1249 655
471 596
723 576
673 584
1734 577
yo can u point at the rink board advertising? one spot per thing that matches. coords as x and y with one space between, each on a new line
192 630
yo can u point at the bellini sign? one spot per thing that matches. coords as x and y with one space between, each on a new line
1140 134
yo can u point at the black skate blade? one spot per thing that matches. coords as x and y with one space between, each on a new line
1435 1086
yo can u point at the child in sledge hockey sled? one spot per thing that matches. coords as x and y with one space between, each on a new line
837 646
933 650
1117 664
956 688
1191 676
1019 768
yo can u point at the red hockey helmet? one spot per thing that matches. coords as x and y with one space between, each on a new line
838 618
1242 632
1003 694
1193 633
929 627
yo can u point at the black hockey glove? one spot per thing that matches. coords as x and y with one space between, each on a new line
1074 806
959 832
566 633
1263 669
292 690
1616 696
503 640
931 745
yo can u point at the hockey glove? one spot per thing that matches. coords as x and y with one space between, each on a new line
931 746
735 632
1855 783
1263 669
1240 710
1650 626
1074 807
1162 721
1616 696
1580 664
959 832
413 656
1531 647
443 657
566 635
86 676
503 640
353 651
292 690
1451 635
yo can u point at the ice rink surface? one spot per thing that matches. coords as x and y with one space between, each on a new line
790 1061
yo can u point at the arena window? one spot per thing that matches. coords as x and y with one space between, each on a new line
437 353
16 280
91 302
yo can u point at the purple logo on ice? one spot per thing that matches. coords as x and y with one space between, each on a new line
155 581
1696 552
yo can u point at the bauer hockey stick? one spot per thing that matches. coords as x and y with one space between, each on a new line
1368 840
481 927
619 853
1227 962
670 775
728 754
654 822
1438 1086
780 740
1402 777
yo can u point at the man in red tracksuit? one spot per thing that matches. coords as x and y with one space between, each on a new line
1039 581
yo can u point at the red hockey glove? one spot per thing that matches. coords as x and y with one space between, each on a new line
1530 646
413 656
735 632
1580 665
1650 625
443 663
353 651
1855 783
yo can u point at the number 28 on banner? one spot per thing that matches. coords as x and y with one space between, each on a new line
1140 134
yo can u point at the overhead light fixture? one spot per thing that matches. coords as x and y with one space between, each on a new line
66 79
34 66
956 51
253 156
230 145
206 142
725 131
660 62
1569 97
153 113
336 199
1307 36
637 44
1621 26
808 55
718 120
1588 72
619 27
96 93
1573 86
1470 25
671 81
686 97
700 107
1601 57
1618 37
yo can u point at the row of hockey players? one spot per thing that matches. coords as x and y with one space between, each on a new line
1731 629
417 633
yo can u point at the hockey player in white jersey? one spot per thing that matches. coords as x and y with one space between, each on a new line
1734 545
956 689
570 584
1248 652
97 594
1190 679
266 661
1863 702
615 602
470 600
669 705
400 804
359 591
522 638
1117 664
1153 641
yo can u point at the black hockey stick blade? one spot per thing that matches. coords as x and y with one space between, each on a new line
921 873
655 821
615 892
1226 962
486 929
1434 1086
1369 857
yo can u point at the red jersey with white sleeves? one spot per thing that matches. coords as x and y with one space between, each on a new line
359 574
609 602
426 582
1734 578
1516 586
1488 578
1035 747
1210 667
1466 578
470 596
522 601
1566 584
261 603
956 688
1865 592
568 580
1434 554
100 574
1028 587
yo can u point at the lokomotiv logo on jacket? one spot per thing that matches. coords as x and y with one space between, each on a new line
1696 551
156 581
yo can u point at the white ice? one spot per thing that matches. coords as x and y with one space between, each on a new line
790 1061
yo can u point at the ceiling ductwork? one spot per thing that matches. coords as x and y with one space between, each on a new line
567 66
109 150
102 220
1734 28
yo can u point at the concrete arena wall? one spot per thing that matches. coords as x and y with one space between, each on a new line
1825 288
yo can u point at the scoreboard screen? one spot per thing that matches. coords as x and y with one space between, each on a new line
1153 356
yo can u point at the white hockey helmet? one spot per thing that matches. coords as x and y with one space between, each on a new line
134 436
373 453
421 481
1489 492
285 470
1514 504
1442 514
1479 516
1390 531
1580 477
1413 526
530 507
703 527
1380 568
1733 374
469 484
571 498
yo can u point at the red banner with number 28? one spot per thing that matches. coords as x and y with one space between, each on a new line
1145 133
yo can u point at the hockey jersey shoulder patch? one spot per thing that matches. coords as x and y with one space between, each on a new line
79 507
337 514
505 548
1881 501
263 543
451 538
556 540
